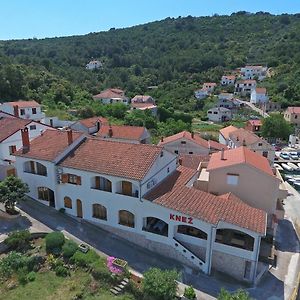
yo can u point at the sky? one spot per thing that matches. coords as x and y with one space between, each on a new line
22 19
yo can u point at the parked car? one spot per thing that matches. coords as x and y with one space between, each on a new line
294 155
284 155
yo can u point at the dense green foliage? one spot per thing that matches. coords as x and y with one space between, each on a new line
69 248
54 242
18 240
238 295
189 293
276 126
159 284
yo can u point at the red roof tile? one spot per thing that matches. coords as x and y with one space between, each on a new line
245 137
91 122
225 131
240 155
122 132
174 194
142 99
48 145
110 93
185 135
294 109
113 158
261 90
255 122
24 104
192 161
9 126
215 145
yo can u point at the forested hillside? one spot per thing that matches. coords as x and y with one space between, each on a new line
175 54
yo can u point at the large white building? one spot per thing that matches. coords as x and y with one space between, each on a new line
112 95
253 72
259 96
138 192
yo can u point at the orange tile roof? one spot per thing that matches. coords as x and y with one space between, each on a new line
255 122
226 130
185 135
113 158
229 77
245 137
24 104
48 145
121 132
142 99
110 93
174 194
9 126
216 146
240 155
261 90
192 161
293 109
90 122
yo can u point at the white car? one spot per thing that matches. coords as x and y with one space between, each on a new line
293 155
284 155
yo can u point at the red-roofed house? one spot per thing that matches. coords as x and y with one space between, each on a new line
245 87
224 134
185 142
144 106
30 110
112 95
122 133
259 96
210 86
292 115
90 125
253 125
228 79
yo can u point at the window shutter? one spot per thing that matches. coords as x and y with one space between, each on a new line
32 166
64 178
97 182
78 180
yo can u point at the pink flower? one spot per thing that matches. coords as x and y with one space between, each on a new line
111 267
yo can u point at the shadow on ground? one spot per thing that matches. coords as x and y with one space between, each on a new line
8 225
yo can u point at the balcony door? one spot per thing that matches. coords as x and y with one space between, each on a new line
127 188
79 208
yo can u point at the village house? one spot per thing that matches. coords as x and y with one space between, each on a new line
110 96
11 139
243 137
94 64
259 95
145 198
142 99
224 134
254 126
123 133
228 80
209 86
270 106
253 72
245 87
201 94
144 102
219 114
24 109
292 115
89 125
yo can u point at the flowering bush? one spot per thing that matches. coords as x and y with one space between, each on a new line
111 267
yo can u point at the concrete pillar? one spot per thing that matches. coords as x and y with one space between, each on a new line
171 231
209 247
139 223
256 248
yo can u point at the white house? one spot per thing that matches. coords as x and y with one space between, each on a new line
252 72
24 109
245 87
112 95
225 96
137 192
201 94
94 64
210 86
259 96
219 114
11 139
144 102
228 80
90 125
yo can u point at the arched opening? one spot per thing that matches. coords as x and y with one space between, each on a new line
99 212
35 168
191 231
67 202
79 208
156 226
127 188
46 194
126 218
101 183
235 238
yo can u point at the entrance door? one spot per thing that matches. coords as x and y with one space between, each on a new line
127 188
79 208
11 172
51 198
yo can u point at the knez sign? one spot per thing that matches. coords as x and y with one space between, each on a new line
183 219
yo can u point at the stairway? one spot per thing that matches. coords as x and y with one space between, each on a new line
119 289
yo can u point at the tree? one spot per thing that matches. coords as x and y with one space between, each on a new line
238 295
276 126
12 189
159 284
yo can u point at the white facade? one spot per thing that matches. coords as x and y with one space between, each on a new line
252 72
227 80
245 87
115 100
219 114
258 97
201 94
94 64
33 112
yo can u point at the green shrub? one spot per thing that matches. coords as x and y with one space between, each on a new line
69 249
101 272
189 293
61 271
31 276
84 259
34 263
22 276
12 263
18 240
54 242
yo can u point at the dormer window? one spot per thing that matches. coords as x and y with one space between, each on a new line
183 142
22 112
161 154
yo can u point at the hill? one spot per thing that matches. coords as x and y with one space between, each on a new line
174 54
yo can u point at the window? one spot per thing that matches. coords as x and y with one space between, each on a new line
126 218
34 111
192 231
43 193
215 112
176 151
71 178
22 112
12 149
232 179
35 168
67 202
191 152
296 116
102 184
209 112
168 170
32 127
99 212
183 142
41 169
161 154
265 154
259 144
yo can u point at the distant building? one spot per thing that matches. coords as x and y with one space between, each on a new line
144 102
224 134
94 64
112 95
292 115
90 125
210 86
201 94
225 96
252 72
245 87
219 114
259 95
253 125
270 106
228 80
142 99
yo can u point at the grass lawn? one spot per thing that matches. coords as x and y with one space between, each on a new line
206 127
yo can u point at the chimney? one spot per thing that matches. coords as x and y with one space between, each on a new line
110 132
16 110
222 154
70 136
162 139
192 134
25 140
